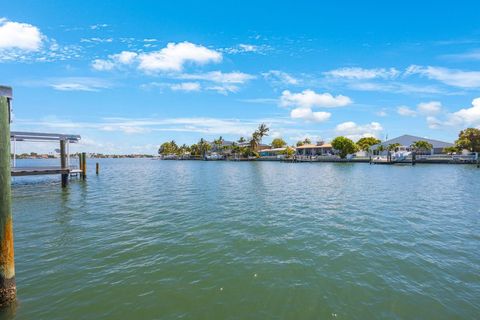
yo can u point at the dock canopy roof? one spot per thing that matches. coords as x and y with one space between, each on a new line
39 136
407 140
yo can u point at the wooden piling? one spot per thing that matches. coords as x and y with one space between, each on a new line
97 168
414 158
8 289
84 167
63 162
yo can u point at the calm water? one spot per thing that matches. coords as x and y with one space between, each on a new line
224 240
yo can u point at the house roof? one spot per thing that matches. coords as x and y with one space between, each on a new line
272 150
407 140
314 146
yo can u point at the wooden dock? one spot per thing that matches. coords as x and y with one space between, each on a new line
34 171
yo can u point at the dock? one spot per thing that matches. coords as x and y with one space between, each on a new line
65 169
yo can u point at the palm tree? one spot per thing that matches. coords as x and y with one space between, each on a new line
241 140
421 145
255 141
262 131
204 146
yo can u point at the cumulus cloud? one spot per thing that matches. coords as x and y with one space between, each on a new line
16 35
309 99
355 131
308 115
429 108
186 86
356 73
304 101
451 77
462 118
172 58
175 55
114 60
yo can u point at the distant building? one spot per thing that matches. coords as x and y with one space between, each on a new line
406 141
273 152
315 150
261 146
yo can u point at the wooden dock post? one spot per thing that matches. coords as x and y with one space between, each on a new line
414 158
84 165
8 289
63 162
97 168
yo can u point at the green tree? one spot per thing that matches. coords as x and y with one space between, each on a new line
450 150
241 140
300 143
203 146
366 142
168 148
344 146
421 146
469 139
288 152
278 143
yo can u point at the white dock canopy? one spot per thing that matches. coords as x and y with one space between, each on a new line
66 139
39 136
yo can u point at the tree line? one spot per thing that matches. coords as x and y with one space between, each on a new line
468 139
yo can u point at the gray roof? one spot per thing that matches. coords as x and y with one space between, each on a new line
39 136
407 140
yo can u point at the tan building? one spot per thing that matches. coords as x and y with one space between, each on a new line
315 150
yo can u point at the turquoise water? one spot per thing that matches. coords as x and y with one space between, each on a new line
151 239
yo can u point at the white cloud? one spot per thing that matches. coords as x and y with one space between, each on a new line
308 115
356 73
77 84
16 35
114 60
246 48
452 77
98 26
175 55
406 111
395 87
125 57
219 77
171 58
309 99
102 65
186 86
355 131
278 77
461 118
429 108
96 40
471 55
382 113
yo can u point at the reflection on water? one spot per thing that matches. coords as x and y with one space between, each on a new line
247 240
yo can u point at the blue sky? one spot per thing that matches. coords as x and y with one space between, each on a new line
130 75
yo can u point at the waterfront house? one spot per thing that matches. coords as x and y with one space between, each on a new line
319 149
261 146
406 141
276 153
